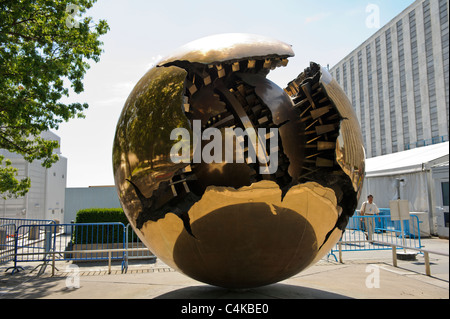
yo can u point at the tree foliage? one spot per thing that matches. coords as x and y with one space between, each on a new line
45 47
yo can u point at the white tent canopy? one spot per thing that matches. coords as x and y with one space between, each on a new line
413 167
406 162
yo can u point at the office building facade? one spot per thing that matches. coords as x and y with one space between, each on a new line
398 80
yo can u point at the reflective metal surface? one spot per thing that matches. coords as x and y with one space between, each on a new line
335 155
229 223
229 47
350 153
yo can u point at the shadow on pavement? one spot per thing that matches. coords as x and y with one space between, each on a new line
275 291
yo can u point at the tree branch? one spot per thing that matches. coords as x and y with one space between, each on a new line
17 23
19 35
21 149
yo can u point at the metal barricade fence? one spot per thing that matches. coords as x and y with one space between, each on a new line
95 236
363 233
134 243
35 242
135 248
23 221
7 233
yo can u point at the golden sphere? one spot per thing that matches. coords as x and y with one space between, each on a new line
228 178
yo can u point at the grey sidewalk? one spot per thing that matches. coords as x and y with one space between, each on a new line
363 275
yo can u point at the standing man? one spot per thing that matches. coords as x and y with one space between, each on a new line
370 209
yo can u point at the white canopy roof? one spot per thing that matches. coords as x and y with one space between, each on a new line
415 160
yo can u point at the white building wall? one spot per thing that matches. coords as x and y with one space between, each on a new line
55 190
14 207
46 196
36 194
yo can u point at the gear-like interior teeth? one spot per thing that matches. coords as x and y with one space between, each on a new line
321 120
322 128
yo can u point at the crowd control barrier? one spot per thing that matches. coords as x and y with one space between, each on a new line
379 232
7 233
50 242
25 222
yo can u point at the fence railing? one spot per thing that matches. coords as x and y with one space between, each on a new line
426 255
109 253
364 231
7 233
134 244
431 141
23 222
394 246
32 242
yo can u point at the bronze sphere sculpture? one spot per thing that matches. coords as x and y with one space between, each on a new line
228 178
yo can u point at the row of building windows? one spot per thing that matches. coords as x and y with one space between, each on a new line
380 90
384 80
443 18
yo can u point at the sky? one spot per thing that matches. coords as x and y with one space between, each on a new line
144 31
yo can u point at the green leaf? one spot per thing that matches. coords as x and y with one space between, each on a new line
38 52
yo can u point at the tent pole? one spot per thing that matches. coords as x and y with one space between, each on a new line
431 202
